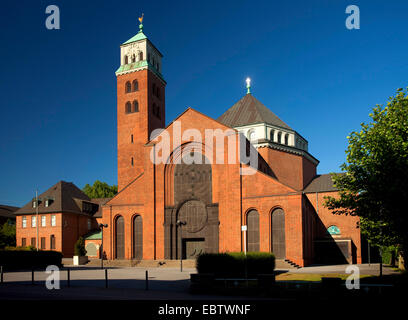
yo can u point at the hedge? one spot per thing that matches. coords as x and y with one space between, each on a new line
25 258
236 264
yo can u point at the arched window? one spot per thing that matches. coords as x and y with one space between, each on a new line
135 106
126 60
272 133
278 242
253 231
120 238
137 238
287 139
128 87
251 135
140 56
279 137
133 58
128 107
135 85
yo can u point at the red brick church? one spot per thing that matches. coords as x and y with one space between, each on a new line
175 207
281 204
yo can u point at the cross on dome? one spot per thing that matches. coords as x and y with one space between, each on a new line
248 81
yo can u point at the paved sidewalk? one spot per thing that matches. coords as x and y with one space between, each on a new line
168 279
129 283
365 269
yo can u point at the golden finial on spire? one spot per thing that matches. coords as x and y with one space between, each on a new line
141 18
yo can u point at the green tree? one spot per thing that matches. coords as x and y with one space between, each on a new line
7 234
375 184
100 190
79 248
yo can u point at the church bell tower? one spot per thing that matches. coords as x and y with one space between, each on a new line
140 103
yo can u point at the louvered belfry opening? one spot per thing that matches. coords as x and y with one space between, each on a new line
192 205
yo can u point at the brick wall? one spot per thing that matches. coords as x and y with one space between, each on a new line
348 225
67 230
139 124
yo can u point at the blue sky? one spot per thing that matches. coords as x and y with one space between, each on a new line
58 87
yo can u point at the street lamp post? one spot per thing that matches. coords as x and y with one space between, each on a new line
101 225
244 230
36 216
180 223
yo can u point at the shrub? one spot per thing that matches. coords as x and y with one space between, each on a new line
25 258
28 248
236 264
79 248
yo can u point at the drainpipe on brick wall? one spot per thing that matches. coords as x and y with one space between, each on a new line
154 200
243 241
36 212
111 233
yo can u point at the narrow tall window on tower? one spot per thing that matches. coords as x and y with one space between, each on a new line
131 161
128 108
158 112
272 135
154 89
140 56
286 139
135 85
128 87
133 58
135 106
126 60
131 138
279 137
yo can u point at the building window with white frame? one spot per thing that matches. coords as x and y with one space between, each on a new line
43 221
53 221
33 221
24 222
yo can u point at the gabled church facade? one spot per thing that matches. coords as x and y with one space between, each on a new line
174 208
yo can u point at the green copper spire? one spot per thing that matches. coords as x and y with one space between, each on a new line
248 81
140 35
